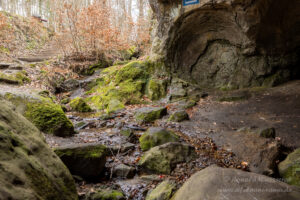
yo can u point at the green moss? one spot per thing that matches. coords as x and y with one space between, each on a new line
65 100
19 77
131 71
79 105
49 118
289 169
83 152
163 191
122 83
150 114
179 116
114 105
156 136
156 89
107 194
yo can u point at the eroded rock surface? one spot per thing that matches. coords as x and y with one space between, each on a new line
229 43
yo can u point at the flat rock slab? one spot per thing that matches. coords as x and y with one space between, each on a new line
215 183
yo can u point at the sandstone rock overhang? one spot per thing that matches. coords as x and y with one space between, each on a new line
229 43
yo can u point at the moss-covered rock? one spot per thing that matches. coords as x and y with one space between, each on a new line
123 83
289 169
79 105
114 105
19 77
150 114
156 89
163 158
106 194
163 191
179 116
29 169
65 100
49 118
86 161
156 136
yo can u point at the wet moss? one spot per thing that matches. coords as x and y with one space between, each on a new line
49 118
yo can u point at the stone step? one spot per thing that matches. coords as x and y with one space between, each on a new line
15 68
34 59
8 81
4 65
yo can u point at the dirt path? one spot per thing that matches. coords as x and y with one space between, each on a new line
277 107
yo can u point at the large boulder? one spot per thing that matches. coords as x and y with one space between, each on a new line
215 183
289 169
86 161
228 43
163 158
156 136
29 168
42 112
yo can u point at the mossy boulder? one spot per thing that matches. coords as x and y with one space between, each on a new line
156 136
49 118
86 161
289 169
29 169
150 114
163 159
114 105
156 89
78 104
163 191
123 83
106 194
179 116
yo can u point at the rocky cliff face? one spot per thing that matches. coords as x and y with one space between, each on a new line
229 43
